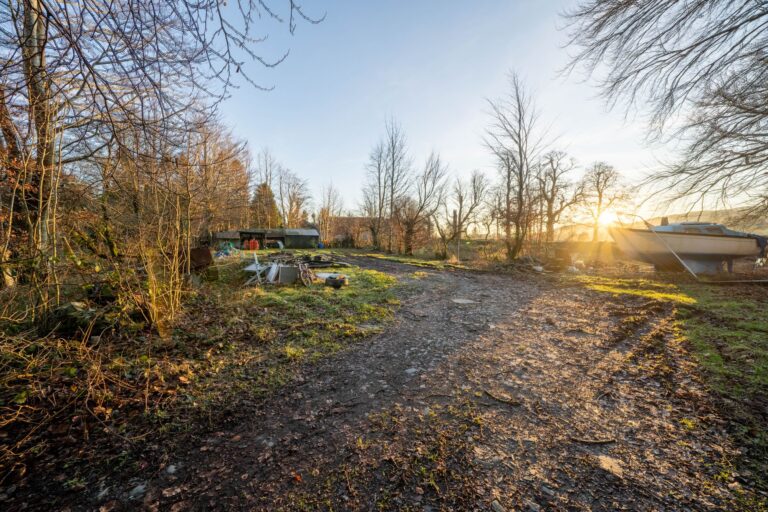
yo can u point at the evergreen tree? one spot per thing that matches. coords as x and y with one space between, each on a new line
264 208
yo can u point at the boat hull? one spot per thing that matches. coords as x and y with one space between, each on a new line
702 253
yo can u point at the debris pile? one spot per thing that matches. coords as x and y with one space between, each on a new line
288 268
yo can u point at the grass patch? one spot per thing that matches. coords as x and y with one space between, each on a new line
265 332
727 329
646 288
726 325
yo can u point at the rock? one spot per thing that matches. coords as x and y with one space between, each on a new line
171 469
463 301
497 507
103 492
532 506
137 492
71 318
610 465
538 268
412 371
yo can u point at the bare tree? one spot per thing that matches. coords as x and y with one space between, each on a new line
602 191
558 194
292 198
397 167
331 206
81 82
513 140
703 59
375 194
492 212
411 210
266 167
460 209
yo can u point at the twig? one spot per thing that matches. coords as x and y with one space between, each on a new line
508 401
349 484
593 441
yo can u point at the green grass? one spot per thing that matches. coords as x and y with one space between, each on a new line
639 287
728 327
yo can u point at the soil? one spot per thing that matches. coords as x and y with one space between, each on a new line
488 392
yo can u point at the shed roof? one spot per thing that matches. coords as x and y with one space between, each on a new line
302 232
268 232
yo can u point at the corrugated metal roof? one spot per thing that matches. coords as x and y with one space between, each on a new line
268 232
302 232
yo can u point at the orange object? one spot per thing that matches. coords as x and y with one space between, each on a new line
256 245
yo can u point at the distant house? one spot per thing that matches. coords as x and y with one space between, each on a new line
290 238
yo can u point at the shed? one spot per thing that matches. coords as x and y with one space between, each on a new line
290 238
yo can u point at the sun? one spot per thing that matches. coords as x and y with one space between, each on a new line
607 218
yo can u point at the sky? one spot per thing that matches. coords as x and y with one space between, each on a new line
431 65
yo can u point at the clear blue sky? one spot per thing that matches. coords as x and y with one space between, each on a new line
431 64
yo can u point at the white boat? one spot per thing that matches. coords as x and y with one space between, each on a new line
703 246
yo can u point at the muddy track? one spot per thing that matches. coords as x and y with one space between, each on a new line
487 391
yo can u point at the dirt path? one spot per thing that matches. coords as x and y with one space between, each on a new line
525 395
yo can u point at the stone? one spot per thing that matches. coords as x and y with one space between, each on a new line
610 465
532 506
137 492
497 507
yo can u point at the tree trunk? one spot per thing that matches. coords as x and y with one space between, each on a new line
408 234
550 227
39 181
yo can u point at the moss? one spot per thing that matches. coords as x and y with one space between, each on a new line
638 287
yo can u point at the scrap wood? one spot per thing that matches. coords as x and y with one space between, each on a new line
592 441
508 401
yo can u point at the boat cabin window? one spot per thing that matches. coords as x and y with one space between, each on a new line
713 230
